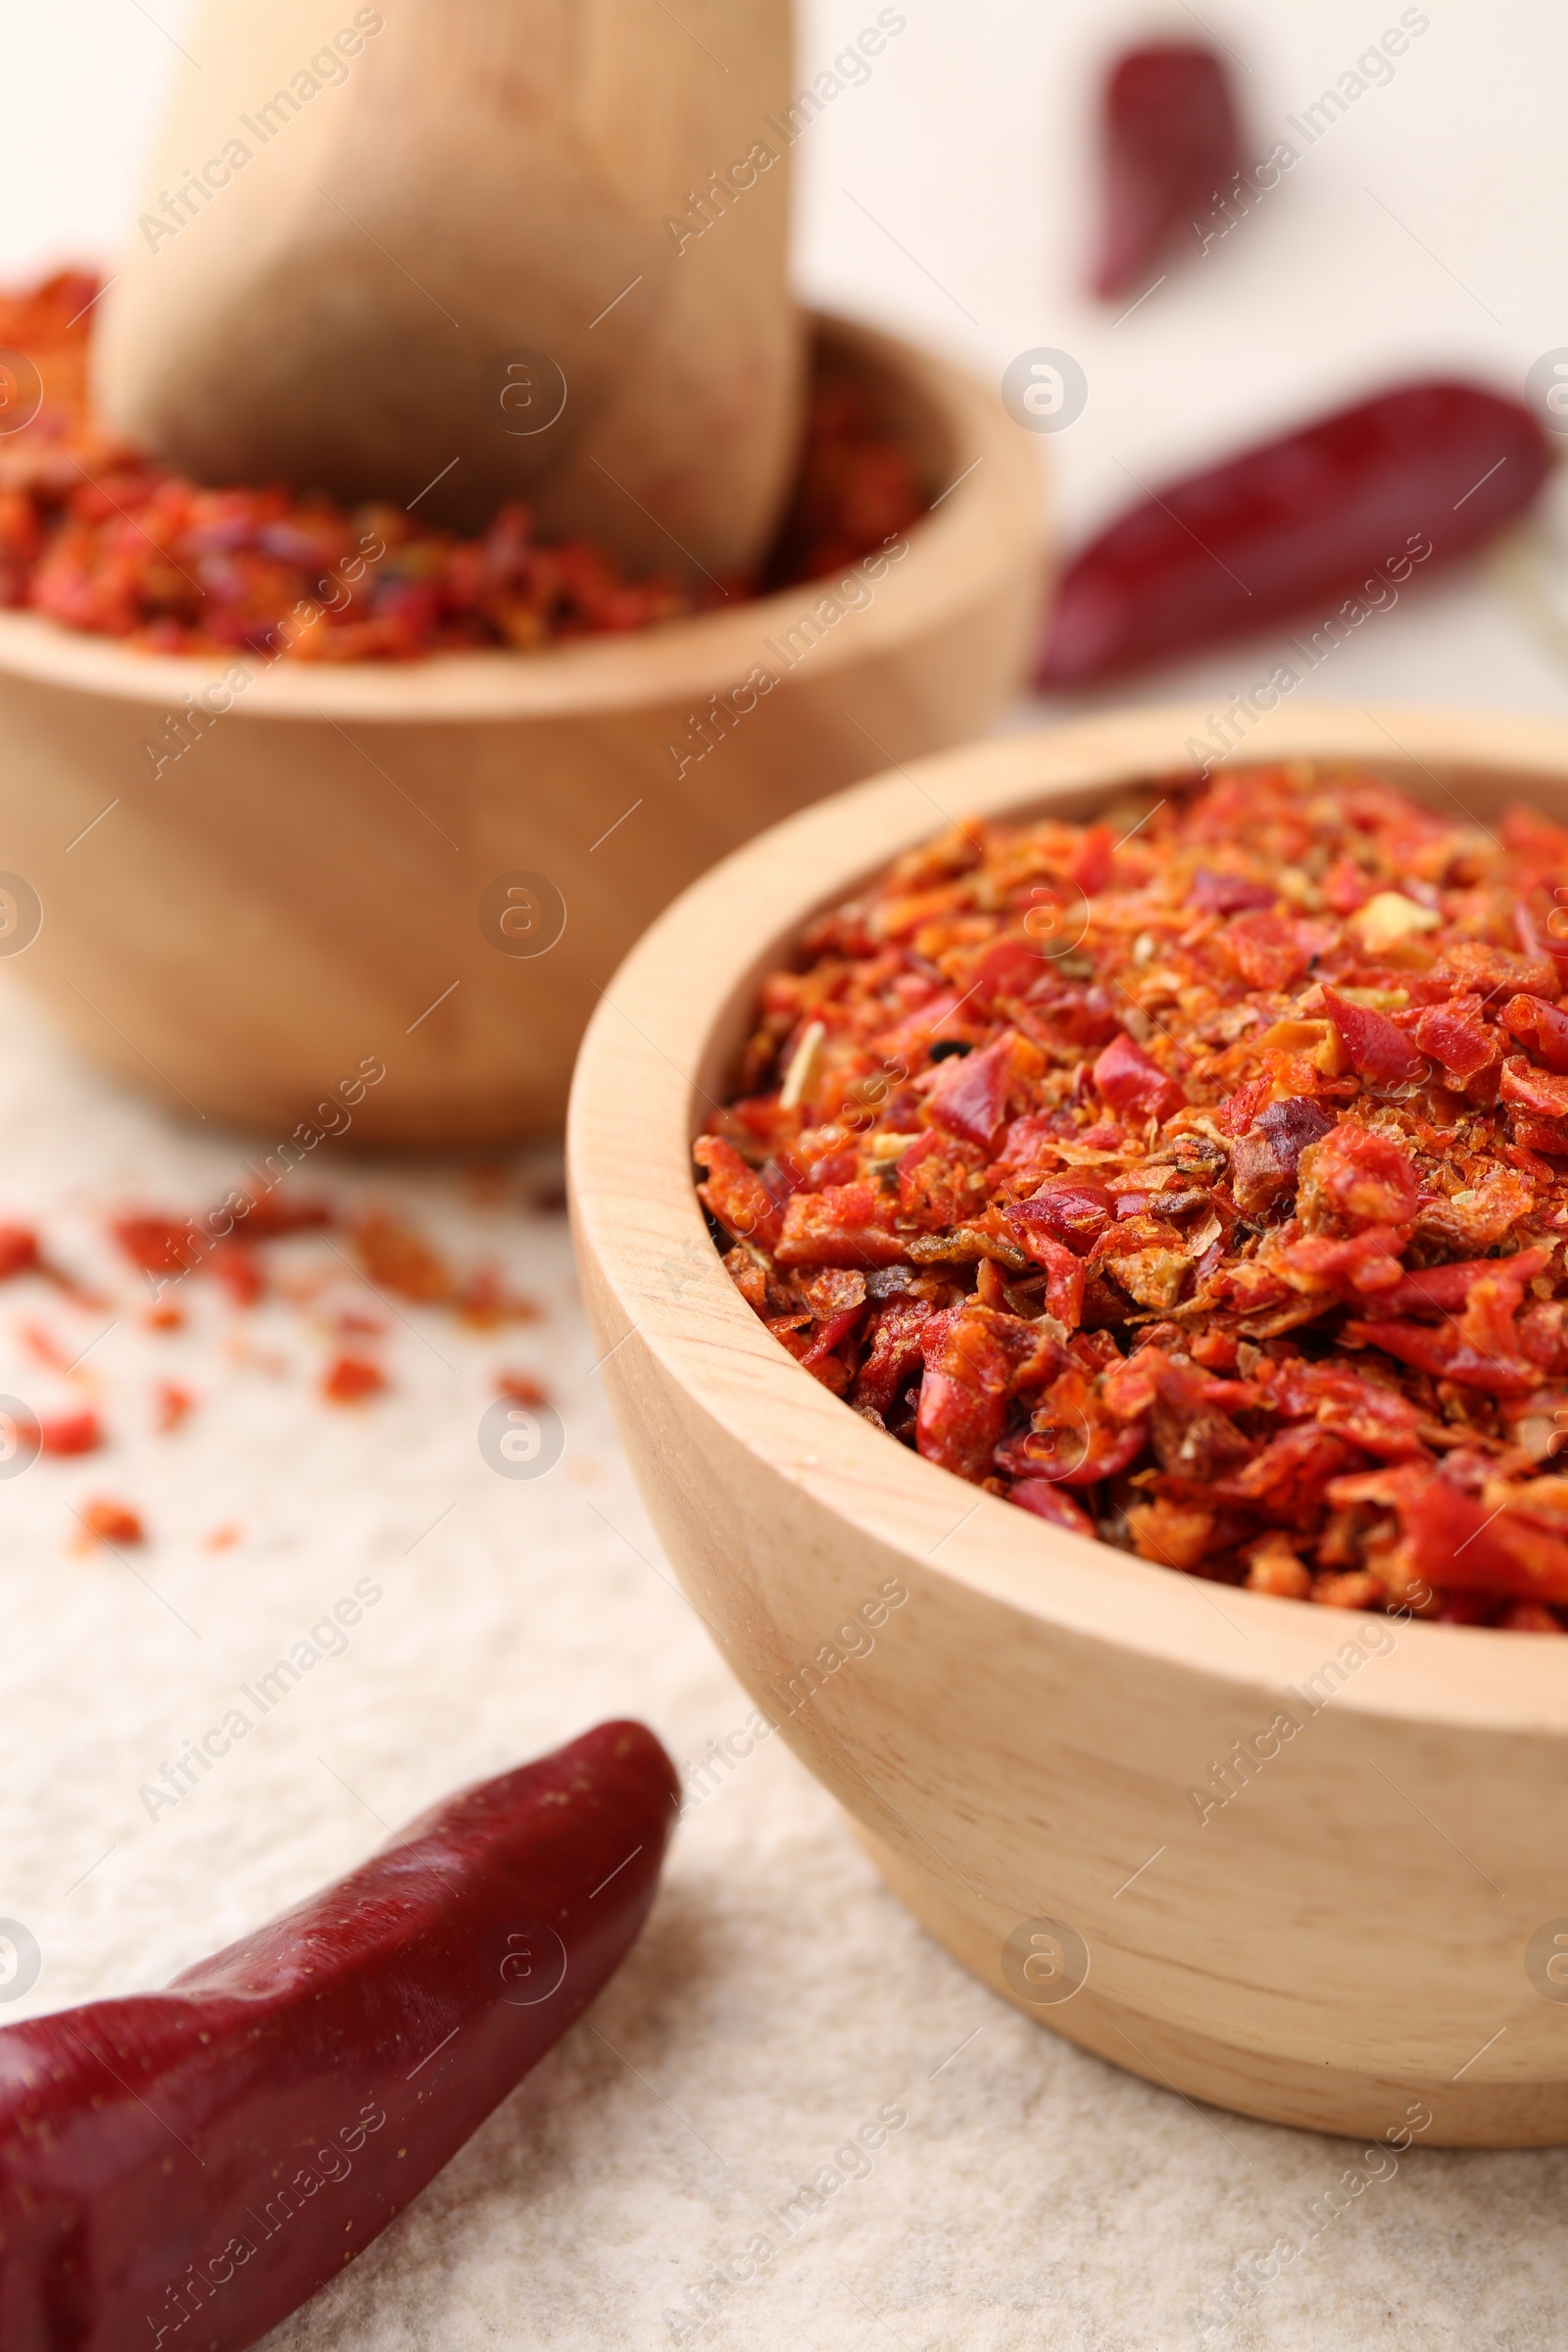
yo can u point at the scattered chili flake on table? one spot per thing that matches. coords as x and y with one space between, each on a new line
522 1388
100 538
18 1251
237 1265
1202 1187
395 1257
485 1301
71 1432
349 1379
112 1522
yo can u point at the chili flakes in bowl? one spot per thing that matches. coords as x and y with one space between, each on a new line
1196 1178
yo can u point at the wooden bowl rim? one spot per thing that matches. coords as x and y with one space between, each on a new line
636 1216
971 533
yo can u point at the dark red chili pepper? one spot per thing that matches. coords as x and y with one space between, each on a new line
215 2152
1169 142
1333 515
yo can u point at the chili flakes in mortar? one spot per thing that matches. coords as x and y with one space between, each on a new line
98 537
1196 1179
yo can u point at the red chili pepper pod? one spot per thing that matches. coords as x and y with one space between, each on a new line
184 2168
1170 142
1343 510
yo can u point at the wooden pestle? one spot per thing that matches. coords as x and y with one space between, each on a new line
449 252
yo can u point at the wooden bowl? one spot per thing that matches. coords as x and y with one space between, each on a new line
321 879
1372 1930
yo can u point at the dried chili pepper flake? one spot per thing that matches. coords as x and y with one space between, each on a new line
1541 1026
1049 1502
79 1432
1268 1153
1176 1535
1064 1277
46 1345
1455 1035
1070 1208
486 1299
522 1388
828 1333
350 1379
1274 1565
1375 1048
396 1258
971 1095
356 1324
1529 1617
159 1244
1319 520
1536 1090
1444 1289
1008 967
113 1523
1267 951
273 1217
1170 141
1357 1178
237 1267
893 1354
1129 1081
1353 1588
736 1194
963 1394
172 1405
1214 893
843 1225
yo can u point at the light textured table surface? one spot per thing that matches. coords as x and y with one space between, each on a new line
780 1999
1033 2197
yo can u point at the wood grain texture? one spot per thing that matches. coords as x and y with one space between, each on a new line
293 892
470 184
1348 1935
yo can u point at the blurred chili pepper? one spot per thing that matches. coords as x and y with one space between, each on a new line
218 2151
1169 142
1336 509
